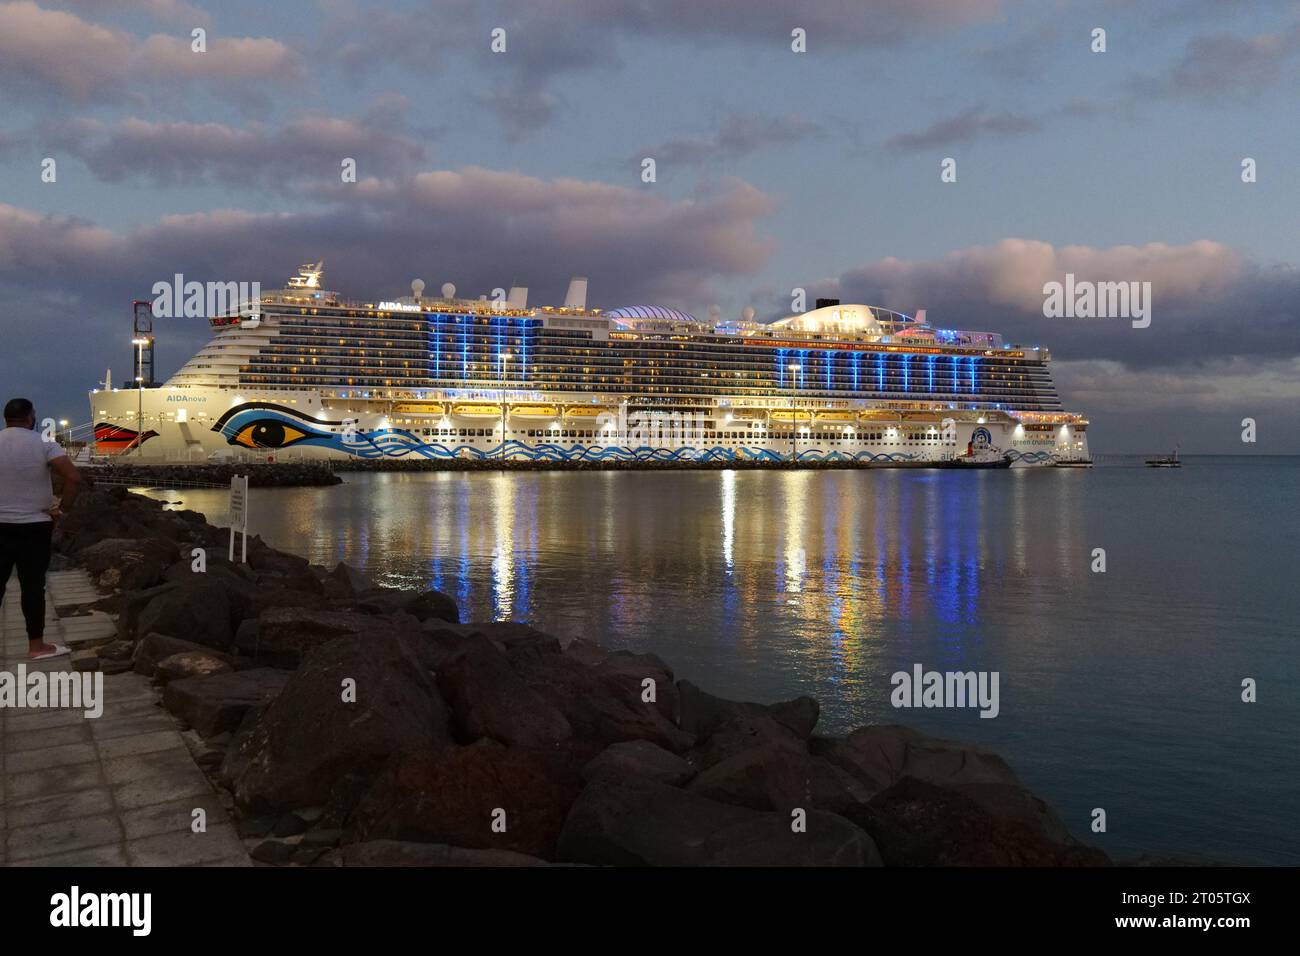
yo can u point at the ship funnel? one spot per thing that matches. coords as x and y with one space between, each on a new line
518 298
920 316
576 297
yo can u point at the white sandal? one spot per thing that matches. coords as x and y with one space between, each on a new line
59 651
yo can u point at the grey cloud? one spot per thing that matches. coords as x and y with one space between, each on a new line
735 137
1221 65
962 128
1207 299
308 147
56 53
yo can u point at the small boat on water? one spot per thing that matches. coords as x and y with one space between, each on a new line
1168 461
1074 464
988 457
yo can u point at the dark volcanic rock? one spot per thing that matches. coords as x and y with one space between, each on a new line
423 606
701 713
433 605
601 708
213 704
628 672
881 756
770 777
346 581
189 664
310 737
741 733
200 611
639 758
639 822
919 824
128 563
284 634
585 652
128 605
156 647
116 651
274 852
452 795
402 853
489 699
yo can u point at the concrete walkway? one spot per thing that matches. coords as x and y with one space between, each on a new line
117 790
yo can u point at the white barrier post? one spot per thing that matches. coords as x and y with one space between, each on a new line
239 515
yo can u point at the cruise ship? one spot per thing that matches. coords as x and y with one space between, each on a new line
303 373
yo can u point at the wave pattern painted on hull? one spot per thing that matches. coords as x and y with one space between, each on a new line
1033 457
263 426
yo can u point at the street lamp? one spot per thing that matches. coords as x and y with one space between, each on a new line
794 448
505 358
63 423
139 392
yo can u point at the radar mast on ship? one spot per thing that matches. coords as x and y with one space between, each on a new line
308 276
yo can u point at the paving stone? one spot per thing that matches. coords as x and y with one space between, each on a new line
48 737
65 806
184 848
23 720
101 730
63 836
162 788
113 854
116 790
136 744
120 770
172 816
54 780
128 710
46 757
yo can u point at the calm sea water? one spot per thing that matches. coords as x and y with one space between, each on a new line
1118 690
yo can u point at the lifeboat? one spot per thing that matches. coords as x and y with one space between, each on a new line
477 410
791 415
836 418
534 410
586 413
878 415
418 408
748 414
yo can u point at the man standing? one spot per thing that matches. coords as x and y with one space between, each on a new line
28 512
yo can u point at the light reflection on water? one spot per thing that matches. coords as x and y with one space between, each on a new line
1118 690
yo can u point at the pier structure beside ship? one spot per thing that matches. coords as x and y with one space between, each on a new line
304 374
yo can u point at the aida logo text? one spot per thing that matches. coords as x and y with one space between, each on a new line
922 688
77 909
1081 299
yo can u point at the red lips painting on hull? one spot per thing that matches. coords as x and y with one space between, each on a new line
114 440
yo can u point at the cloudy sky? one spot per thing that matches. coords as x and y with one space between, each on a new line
775 170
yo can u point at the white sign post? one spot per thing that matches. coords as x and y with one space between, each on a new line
239 515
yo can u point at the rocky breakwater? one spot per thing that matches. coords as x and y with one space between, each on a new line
354 725
260 475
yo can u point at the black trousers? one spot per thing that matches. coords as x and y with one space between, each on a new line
27 548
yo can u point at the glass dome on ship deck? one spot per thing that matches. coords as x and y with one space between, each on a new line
631 315
845 320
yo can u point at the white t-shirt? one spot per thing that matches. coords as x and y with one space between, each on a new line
25 489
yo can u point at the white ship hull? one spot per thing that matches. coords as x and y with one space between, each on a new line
220 423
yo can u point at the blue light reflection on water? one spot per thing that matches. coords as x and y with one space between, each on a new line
1118 690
